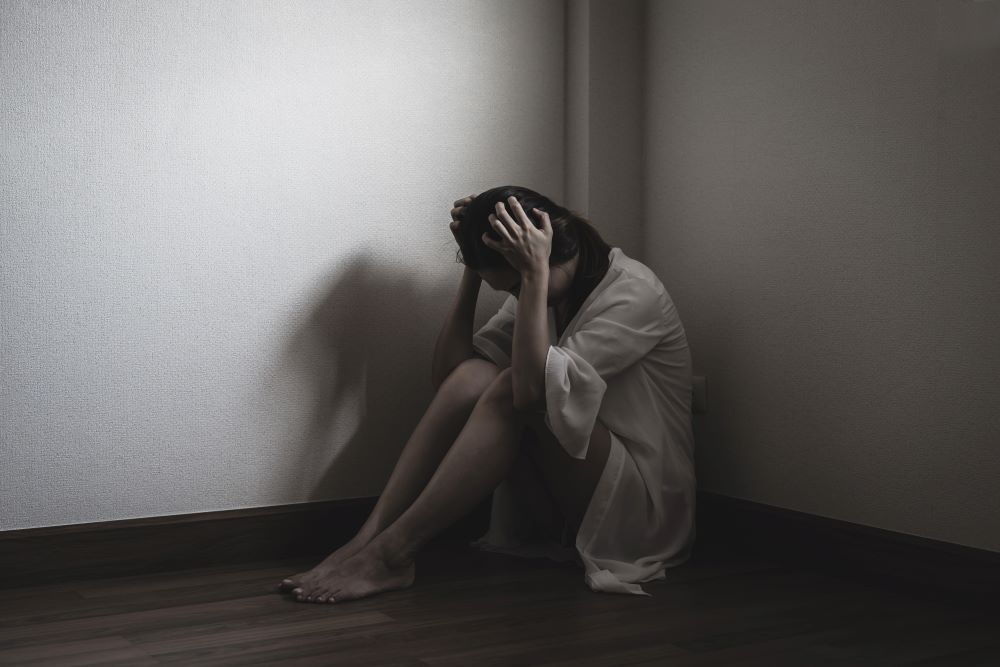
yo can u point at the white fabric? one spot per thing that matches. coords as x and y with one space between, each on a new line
623 360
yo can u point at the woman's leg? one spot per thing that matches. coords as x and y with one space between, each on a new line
477 462
447 414
480 459
431 439
571 482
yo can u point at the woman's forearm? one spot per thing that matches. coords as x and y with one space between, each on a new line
454 342
531 341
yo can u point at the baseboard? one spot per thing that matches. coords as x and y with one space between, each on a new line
38 556
53 554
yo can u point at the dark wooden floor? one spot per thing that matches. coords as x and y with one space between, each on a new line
474 608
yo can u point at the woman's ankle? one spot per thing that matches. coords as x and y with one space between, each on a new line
366 534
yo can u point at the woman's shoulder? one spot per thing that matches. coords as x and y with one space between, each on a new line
637 296
633 283
635 275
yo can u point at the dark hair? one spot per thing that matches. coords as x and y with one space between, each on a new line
572 234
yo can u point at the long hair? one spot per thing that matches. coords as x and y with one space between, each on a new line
572 235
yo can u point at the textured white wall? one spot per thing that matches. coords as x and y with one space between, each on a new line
823 188
225 254
224 259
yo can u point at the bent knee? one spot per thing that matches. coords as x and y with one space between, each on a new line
501 389
470 379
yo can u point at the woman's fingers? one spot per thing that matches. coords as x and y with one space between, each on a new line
460 205
508 221
520 215
496 245
501 228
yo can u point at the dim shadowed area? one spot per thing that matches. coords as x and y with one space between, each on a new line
367 372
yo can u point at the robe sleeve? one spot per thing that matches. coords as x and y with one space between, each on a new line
621 329
495 339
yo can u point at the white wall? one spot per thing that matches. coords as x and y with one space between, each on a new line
823 188
225 254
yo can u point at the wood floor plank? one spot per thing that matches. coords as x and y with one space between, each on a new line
124 618
138 585
914 638
47 609
563 644
115 656
986 655
328 624
54 650
484 609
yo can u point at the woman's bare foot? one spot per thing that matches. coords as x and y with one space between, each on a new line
361 575
357 543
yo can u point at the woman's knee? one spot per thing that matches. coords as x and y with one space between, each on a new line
470 379
501 390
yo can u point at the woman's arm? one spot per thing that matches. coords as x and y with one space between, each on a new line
531 340
527 248
454 342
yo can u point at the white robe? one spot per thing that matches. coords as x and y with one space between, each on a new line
624 360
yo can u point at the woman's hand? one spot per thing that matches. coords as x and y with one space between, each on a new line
457 213
525 247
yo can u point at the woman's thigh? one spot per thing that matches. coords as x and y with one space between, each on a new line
570 481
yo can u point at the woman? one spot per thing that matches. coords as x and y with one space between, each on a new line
586 402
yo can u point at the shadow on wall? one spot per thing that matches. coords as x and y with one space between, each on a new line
365 352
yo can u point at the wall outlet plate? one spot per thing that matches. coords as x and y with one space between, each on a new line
699 395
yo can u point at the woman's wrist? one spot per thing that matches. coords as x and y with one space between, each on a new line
471 277
468 289
536 274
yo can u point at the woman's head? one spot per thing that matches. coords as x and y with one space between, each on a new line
572 237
